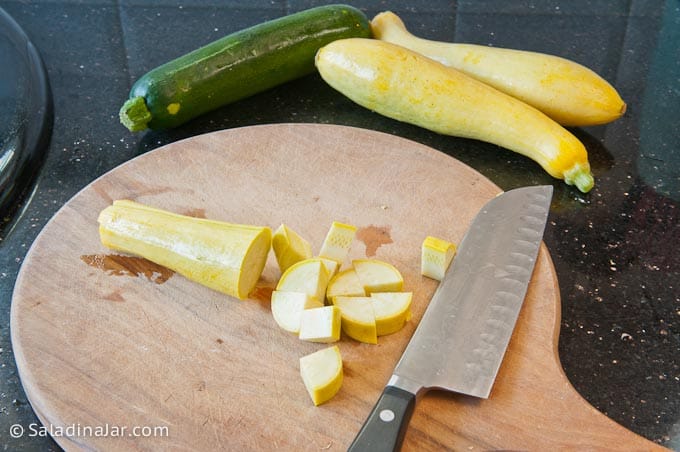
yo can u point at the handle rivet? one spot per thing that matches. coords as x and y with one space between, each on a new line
387 415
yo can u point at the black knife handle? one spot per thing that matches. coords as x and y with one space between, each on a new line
385 427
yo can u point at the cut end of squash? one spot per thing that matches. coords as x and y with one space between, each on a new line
134 114
253 262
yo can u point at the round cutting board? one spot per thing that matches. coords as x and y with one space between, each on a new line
116 353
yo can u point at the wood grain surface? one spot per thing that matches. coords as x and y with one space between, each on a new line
110 341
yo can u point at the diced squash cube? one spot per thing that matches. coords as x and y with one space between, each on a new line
320 324
287 308
338 242
437 255
289 247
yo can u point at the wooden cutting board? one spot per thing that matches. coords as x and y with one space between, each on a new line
113 347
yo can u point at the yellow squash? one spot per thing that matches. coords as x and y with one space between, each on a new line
223 256
409 87
568 92
289 247
321 373
436 256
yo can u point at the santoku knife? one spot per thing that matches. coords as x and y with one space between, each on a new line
461 339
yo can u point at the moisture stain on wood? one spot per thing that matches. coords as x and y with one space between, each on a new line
119 265
262 293
115 296
374 237
196 213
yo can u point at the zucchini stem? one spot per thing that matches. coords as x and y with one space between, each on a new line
134 114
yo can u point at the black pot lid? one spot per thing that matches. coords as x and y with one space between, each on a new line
26 117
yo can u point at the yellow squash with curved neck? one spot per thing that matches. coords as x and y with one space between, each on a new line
568 92
409 87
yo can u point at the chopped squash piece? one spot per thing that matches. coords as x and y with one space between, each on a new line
322 374
320 324
309 276
392 310
358 318
345 283
287 308
289 247
437 255
378 276
338 241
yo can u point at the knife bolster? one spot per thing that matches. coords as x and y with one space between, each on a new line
407 384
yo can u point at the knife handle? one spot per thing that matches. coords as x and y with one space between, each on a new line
385 427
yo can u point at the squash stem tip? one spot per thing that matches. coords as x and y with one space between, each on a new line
134 114
580 176
584 181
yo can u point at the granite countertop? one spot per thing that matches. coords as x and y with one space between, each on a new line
613 248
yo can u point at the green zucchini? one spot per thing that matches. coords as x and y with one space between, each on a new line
237 66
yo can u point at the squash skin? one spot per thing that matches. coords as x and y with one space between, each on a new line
223 256
569 93
236 66
409 87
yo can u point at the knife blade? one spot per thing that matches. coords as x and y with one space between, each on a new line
462 337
